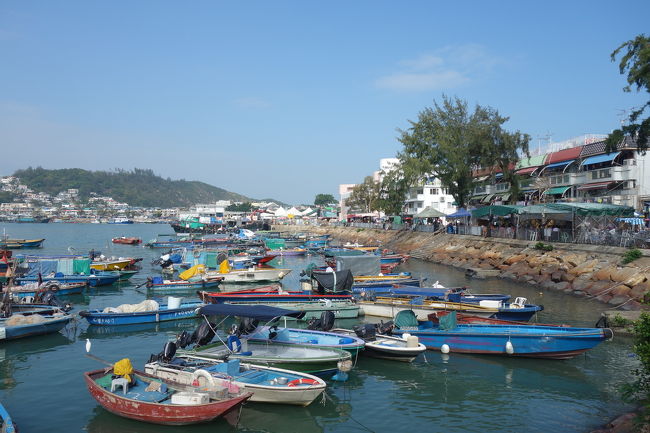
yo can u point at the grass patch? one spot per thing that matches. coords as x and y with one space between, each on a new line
543 247
631 255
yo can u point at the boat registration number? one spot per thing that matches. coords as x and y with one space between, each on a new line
3 333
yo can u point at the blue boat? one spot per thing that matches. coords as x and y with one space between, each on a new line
273 334
535 341
162 314
26 290
451 294
92 280
157 284
33 321
7 425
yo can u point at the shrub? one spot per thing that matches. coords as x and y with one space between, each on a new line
631 255
544 247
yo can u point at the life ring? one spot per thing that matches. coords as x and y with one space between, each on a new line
233 343
297 382
204 374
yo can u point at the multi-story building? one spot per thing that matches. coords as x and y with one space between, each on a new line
582 172
429 193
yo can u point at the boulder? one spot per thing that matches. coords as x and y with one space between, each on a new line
515 259
604 274
584 268
562 286
618 300
598 287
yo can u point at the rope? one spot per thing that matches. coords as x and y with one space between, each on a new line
327 397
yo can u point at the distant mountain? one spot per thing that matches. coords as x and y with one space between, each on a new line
140 187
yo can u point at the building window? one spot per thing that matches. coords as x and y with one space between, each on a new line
442 199
433 191
419 191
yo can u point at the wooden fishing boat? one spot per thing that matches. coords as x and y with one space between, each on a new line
26 290
7 425
92 280
33 320
14 244
536 341
125 275
270 294
468 319
157 284
162 313
312 309
452 294
287 252
170 405
126 240
111 264
404 348
388 306
268 384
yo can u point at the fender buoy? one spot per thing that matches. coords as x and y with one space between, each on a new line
297 382
233 343
204 374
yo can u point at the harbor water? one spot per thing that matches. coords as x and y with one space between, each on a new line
41 382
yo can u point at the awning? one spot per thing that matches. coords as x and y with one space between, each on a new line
498 175
558 190
505 196
600 158
528 170
487 198
481 178
559 164
595 185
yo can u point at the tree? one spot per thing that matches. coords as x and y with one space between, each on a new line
636 64
394 186
241 207
365 196
450 142
324 199
640 388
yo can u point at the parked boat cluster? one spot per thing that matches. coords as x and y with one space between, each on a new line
224 363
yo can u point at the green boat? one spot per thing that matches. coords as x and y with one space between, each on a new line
125 275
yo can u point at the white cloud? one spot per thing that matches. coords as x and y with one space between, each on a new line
443 69
252 103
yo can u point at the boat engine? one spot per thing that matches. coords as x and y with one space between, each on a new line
325 323
167 353
48 297
385 328
203 334
366 331
248 325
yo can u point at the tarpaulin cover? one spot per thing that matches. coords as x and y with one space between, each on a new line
496 210
325 280
211 260
194 270
44 267
406 319
594 209
81 266
65 266
359 265
262 312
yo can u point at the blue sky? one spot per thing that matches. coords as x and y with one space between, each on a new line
288 99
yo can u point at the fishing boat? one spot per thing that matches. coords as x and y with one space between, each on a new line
251 275
536 341
274 334
158 284
437 291
32 289
92 280
270 294
7 425
388 306
157 401
404 348
268 384
111 264
319 361
126 240
120 220
287 252
148 311
125 275
33 320
15 244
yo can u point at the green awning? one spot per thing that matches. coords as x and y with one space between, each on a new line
558 190
487 198
496 210
505 196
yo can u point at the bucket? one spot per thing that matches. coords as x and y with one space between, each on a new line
173 302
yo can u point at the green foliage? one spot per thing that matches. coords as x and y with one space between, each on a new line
450 142
639 389
635 62
324 199
6 197
140 187
394 186
620 322
241 207
365 196
542 246
631 255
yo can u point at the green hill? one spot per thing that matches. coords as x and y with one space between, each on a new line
140 187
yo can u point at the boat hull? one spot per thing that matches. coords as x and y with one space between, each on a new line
156 413
184 286
49 326
96 317
252 276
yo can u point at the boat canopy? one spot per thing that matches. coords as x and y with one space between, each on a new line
261 312
343 279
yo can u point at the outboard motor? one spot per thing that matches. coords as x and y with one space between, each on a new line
184 339
365 332
49 298
385 328
325 323
248 325
166 355
203 334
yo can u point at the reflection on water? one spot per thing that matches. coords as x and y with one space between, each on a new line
456 393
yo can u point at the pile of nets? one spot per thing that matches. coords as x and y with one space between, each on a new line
20 320
146 305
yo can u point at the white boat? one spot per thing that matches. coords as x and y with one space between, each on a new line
251 275
268 384
405 348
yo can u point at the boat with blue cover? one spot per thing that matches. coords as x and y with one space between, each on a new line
536 341
275 334
7 425
130 314
102 278
452 294
268 384
319 361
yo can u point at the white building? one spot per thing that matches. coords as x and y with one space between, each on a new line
431 193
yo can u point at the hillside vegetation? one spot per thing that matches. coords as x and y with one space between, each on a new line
140 187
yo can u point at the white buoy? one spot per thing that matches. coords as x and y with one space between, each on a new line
509 348
444 348
88 344
445 358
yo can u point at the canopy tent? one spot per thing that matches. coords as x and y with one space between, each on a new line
460 213
280 212
261 312
496 210
632 221
429 212
594 209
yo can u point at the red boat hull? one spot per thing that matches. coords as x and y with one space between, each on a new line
156 413
127 241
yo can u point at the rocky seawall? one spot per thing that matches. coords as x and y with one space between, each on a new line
592 271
